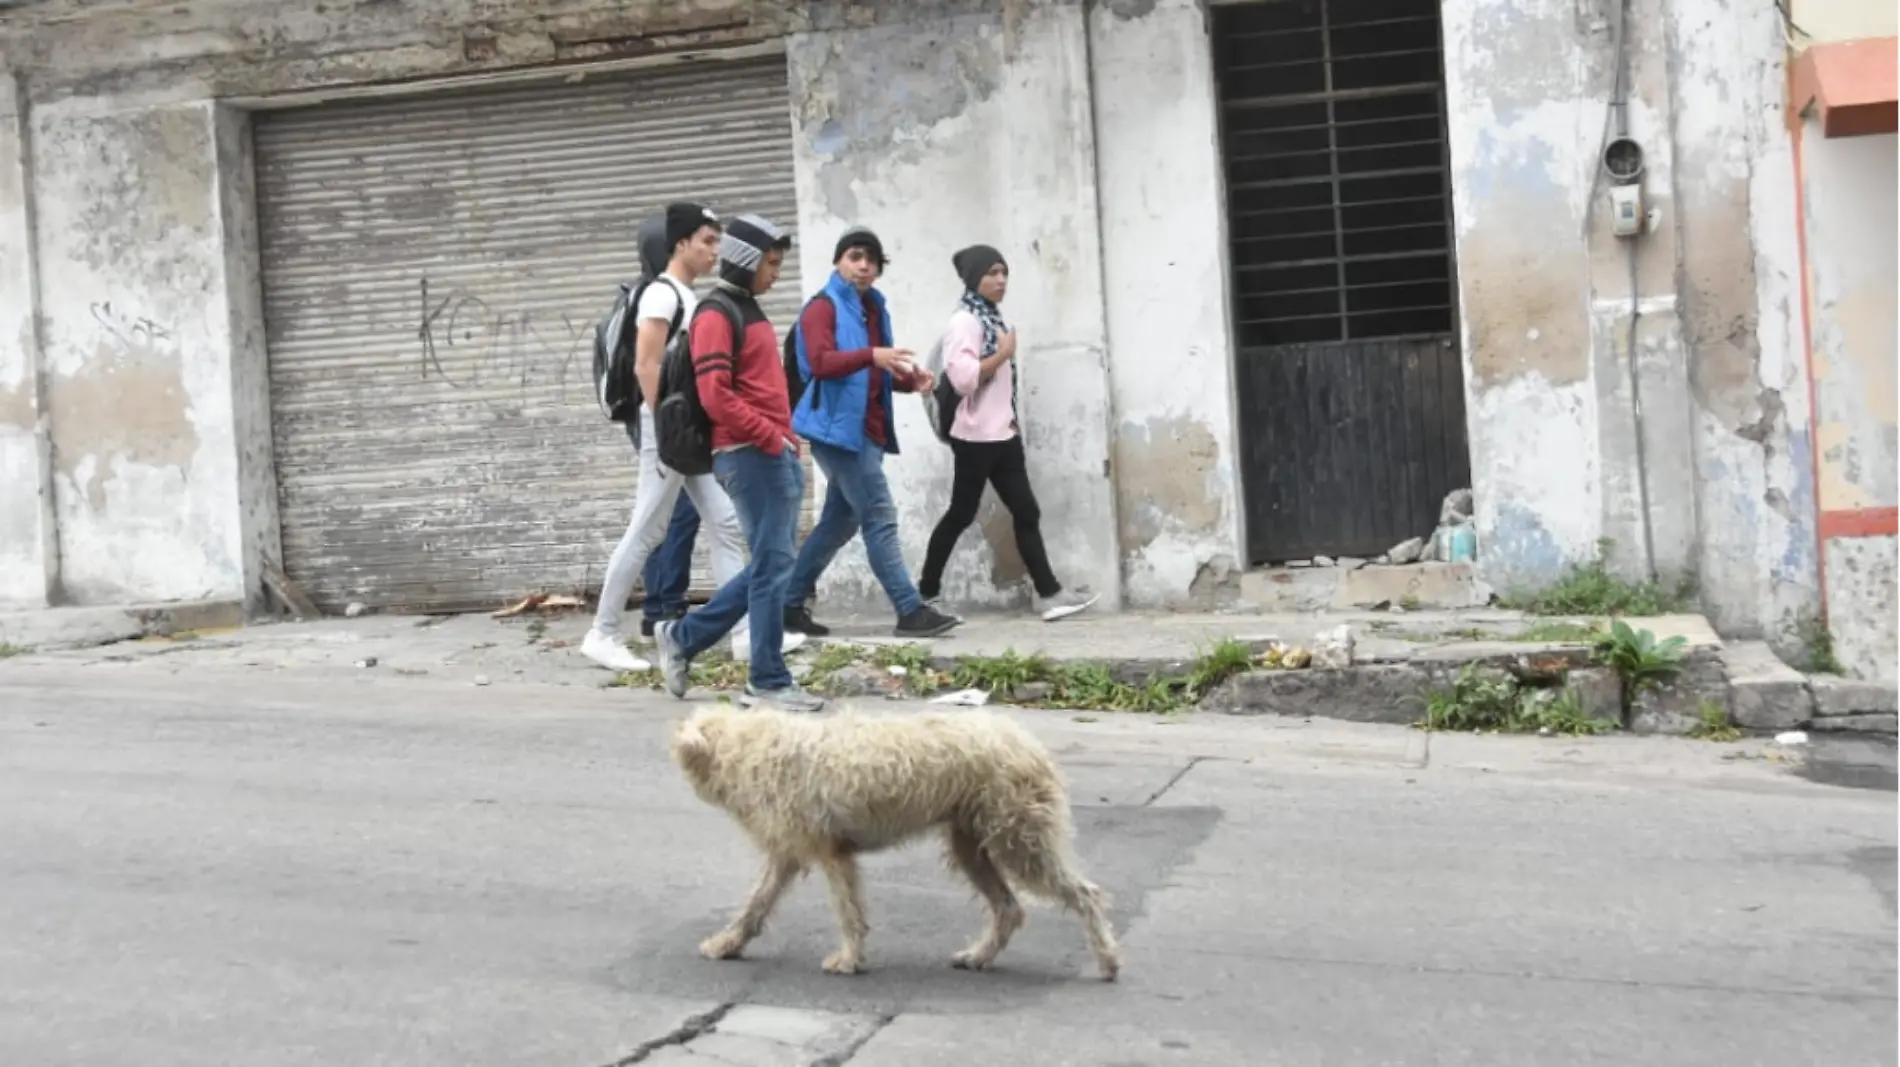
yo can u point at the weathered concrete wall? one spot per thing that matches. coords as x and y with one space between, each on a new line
1849 206
1848 201
28 550
1860 605
1739 278
1841 20
944 132
1176 453
1546 297
131 250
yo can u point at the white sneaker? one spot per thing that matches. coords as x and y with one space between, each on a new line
1066 603
611 653
742 641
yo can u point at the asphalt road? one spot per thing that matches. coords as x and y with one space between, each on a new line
260 868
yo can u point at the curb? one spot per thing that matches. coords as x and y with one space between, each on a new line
1753 689
56 629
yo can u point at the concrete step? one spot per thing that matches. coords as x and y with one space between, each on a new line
1764 693
1414 586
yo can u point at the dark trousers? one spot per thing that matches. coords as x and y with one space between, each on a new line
999 464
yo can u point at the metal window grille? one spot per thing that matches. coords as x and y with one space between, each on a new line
1339 212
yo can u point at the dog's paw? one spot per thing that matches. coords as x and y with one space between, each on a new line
1111 968
721 947
971 960
843 963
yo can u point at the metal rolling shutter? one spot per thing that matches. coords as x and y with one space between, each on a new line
433 269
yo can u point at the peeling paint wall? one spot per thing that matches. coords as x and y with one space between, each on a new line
28 552
1692 460
1178 485
1740 285
1849 214
136 335
1849 206
942 132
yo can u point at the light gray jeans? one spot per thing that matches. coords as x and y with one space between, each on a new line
653 502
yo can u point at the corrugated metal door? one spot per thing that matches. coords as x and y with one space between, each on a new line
433 270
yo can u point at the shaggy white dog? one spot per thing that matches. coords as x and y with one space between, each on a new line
819 790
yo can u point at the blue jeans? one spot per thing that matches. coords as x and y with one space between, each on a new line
766 492
669 570
857 499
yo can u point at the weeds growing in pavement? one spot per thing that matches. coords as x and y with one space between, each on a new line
1590 589
1489 701
1715 724
1638 658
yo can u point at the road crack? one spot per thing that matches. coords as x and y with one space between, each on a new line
844 1055
694 1026
1193 762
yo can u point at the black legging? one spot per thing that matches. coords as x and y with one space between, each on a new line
1001 464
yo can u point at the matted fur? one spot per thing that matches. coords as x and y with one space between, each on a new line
811 790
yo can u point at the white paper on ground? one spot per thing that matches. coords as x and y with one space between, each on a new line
966 698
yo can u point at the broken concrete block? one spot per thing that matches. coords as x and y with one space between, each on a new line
1392 693
1598 691
1407 551
1332 649
1834 695
852 682
1764 693
1457 508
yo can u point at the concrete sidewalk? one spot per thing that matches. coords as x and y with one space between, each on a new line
1396 656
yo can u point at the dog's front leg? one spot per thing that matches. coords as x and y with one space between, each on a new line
727 944
841 871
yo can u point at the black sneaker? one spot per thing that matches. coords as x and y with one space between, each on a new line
798 620
926 621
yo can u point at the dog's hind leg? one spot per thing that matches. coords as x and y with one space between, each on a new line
1006 914
727 944
841 872
1037 858
1088 901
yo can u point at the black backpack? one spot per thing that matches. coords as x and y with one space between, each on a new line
680 421
794 377
616 386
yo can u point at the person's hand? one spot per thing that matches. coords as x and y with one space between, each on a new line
891 359
1006 344
922 380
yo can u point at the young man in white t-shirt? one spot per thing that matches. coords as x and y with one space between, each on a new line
692 238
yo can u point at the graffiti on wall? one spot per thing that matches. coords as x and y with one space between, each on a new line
508 357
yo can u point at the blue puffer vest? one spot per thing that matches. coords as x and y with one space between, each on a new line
832 409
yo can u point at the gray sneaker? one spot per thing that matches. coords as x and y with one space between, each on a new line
790 698
675 665
1065 603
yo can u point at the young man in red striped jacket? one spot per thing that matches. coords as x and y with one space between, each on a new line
741 384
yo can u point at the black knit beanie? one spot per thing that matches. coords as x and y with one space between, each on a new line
860 237
974 262
683 221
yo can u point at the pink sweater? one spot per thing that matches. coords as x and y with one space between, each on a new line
988 417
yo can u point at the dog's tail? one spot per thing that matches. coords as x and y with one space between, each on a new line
1030 837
